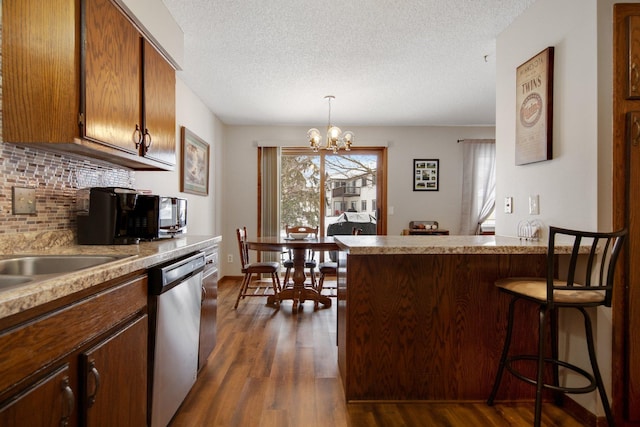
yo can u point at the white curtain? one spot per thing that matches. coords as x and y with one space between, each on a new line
478 183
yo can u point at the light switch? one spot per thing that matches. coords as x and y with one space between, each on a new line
23 200
508 205
534 205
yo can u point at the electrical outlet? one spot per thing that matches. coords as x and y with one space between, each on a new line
229 258
508 205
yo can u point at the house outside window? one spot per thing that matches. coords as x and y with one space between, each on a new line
316 188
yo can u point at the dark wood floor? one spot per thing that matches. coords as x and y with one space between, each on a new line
273 368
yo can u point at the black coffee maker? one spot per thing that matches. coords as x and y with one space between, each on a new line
111 215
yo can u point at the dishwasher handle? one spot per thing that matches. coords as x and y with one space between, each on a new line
165 276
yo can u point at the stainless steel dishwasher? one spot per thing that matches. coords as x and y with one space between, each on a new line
175 290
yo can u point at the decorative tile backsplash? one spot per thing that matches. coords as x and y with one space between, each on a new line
56 177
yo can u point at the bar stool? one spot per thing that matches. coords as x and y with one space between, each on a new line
589 283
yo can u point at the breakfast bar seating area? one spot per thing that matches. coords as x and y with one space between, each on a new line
419 317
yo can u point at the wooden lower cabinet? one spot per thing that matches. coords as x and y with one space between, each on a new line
49 402
82 364
115 378
208 324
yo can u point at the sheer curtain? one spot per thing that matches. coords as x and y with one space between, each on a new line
478 183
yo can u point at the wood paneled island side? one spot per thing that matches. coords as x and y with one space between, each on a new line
419 317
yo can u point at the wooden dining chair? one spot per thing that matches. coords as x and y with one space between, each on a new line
330 268
310 261
589 283
250 288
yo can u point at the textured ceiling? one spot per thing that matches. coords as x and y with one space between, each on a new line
391 62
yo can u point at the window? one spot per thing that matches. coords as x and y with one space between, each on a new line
315 188
478 184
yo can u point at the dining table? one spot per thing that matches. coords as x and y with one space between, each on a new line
299 292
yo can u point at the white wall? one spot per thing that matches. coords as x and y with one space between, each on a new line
240 197
575 186
203 213
154 19
567 185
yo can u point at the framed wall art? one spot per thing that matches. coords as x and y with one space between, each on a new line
194 174
534 108
426 174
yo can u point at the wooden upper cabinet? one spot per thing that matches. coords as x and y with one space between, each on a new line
40 71
129 92
112 78
159 107
79 76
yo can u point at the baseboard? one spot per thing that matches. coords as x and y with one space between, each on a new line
580 413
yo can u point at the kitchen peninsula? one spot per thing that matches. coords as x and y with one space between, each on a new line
419 317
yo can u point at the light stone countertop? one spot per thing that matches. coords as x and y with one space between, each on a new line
141 257
416 245
15 299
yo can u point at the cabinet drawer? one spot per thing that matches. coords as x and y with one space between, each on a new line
48 402
36 343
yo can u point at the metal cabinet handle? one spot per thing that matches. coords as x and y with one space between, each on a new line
635 137
204 295
146 139
634 76
69 401
137 136
96 380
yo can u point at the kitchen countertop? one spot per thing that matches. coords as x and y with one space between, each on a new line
137 258
417 245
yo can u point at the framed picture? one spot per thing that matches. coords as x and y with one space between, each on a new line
534 108
194 176
426 173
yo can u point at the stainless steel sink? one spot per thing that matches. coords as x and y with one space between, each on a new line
51 264
11 281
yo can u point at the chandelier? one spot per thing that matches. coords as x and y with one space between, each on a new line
335 140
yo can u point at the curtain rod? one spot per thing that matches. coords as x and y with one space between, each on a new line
477 140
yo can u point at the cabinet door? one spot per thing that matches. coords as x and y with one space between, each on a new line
115 378
159 107
626 205
34 109
50 402
112 77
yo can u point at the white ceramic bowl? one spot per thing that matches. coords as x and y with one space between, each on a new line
298 236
